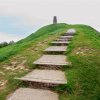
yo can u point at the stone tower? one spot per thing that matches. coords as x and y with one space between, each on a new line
55 20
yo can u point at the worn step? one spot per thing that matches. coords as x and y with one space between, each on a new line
33 94
45 78
62 39
70 32
66 37
56 49
60 43
53 60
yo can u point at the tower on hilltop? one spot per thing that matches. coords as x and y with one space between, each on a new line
55 20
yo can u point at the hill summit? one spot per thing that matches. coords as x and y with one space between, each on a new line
82 74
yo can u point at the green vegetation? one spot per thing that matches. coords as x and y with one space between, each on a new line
8 51
84 53
4 44
84 75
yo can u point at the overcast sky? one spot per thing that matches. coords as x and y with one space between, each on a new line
19 18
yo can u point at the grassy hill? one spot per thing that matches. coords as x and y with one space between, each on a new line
25 43
84 76
84 53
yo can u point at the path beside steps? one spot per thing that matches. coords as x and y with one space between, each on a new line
48 73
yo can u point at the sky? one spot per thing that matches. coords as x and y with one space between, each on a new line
19 18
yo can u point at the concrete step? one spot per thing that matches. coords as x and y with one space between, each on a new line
45 78
66 37
62 39
70 32
60 43
33 94
56 49
52 61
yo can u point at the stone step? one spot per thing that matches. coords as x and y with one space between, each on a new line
45 78
33 94
60 43
70 32
58 49
66 37
52 61
62 39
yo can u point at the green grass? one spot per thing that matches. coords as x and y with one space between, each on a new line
84 76
84 53
8 51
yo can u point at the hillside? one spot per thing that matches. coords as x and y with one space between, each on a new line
84 53
25 43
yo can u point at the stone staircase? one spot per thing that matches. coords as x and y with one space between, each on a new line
48 73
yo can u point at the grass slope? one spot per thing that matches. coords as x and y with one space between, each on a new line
84 53
84 76
8 51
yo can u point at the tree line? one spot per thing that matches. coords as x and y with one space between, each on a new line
4 44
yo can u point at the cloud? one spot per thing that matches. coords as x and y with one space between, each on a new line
36 13
9 37
41 11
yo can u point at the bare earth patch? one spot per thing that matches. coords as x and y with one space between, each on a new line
3 84
83 51
2 73
16 66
